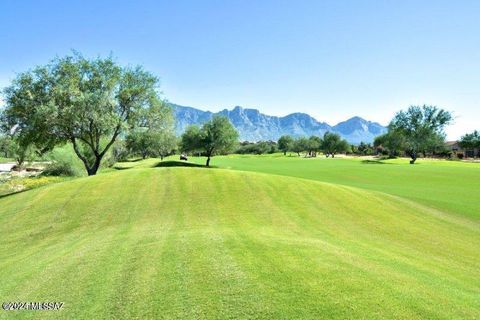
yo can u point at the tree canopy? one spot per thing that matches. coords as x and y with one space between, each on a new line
259 147
422 128
6 146
392 142
285 144
333 144
216 136
155 136
87 102
299 145
314 145
470 140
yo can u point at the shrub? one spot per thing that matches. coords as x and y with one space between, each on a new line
63 162
59 168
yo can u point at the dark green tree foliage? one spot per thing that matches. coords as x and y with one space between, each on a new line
333 144
310 146
21 152
314 145
260 147
166 143
141 142
156 135
470 140
148 143
191 140
11 147
434 145
285 144
88 103
392 142
217 136
120 151
300 145
6 146
364 149
422 128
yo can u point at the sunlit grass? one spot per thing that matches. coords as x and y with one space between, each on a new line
150 239
211 243
450 186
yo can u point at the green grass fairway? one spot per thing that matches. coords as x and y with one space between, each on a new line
190 243
445 185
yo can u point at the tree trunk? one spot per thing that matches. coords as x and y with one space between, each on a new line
333 155
284 153
20 161
94 168
413 155
208 161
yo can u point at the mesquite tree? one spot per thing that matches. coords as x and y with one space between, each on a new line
155 136
471 140
332 144
285 144
420 127
216 136
88 103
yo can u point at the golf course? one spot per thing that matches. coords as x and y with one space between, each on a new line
254 237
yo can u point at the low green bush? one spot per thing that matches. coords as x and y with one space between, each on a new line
59 168
63 162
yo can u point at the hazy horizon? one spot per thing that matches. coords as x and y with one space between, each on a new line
330 59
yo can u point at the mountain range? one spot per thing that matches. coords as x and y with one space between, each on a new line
253 125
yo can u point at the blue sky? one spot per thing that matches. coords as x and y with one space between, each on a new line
332 59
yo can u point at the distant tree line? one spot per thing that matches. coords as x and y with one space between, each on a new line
331 144
470 140
260 147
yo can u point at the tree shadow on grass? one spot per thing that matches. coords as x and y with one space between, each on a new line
134 160
173 163
121 168
12 193
374 162
118 166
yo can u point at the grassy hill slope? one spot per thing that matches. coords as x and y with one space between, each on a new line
446 185
200 243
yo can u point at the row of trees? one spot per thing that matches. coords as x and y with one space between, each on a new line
331 144
260 147
218 136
